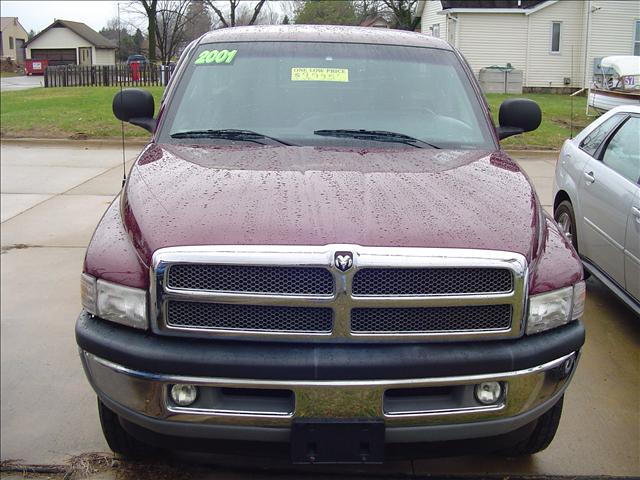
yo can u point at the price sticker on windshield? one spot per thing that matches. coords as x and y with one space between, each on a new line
303 74
207 57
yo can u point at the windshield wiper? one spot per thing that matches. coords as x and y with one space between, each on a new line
229 134
376 136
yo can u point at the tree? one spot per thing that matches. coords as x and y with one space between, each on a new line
367 9
138 40
199 20
403 13
317 12
151 10
235 13
121 36
32 33
285 20
173 17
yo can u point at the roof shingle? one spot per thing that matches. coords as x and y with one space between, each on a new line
83 30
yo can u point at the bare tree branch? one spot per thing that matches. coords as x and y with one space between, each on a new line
218 12
237 12
256 11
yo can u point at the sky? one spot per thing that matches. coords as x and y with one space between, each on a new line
37 15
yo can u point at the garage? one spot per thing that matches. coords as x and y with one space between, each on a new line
55 56
71 43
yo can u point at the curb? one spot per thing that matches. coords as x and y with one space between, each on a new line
92 142
532 154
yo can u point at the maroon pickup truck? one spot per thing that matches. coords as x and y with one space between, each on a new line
324 252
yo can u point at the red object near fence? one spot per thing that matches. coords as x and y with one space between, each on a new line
135 71
36 66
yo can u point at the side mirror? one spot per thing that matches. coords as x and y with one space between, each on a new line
135 106
518 115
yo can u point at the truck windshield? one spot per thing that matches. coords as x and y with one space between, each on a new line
301 93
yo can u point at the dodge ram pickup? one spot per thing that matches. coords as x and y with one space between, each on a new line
324 252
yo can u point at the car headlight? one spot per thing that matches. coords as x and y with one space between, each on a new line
552 309
117 303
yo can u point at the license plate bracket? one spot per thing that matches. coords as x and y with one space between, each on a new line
337 441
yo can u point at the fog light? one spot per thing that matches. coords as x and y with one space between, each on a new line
184 394
564 370
488 393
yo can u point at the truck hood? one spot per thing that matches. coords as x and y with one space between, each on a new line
204 195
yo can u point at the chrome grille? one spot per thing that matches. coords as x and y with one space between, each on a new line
313 294
251 279
431 281
219 316
430 319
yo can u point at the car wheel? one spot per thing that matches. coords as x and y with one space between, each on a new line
118 439
566 219
567 222
542 435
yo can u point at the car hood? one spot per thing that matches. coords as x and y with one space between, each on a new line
204 195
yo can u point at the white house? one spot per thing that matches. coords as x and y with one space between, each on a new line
13 37
65 42
554 42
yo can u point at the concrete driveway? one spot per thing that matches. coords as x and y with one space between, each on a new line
52 198
8 84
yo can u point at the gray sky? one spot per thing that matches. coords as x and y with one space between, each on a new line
38 15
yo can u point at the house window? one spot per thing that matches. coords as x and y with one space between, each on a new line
636 39
555 37
435 30
10 43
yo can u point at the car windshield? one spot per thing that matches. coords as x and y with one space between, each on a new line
304 93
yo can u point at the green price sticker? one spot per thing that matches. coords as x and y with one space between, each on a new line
215 56
319 74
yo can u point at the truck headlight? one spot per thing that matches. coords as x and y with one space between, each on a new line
555 308
117 303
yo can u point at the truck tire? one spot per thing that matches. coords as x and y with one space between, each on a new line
542 435
118 439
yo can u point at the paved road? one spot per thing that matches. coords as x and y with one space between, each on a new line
8 84
53 196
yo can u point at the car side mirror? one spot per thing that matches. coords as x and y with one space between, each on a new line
135 106
518 115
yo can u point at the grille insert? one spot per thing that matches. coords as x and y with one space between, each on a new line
251 279
219 316
431 281
430 319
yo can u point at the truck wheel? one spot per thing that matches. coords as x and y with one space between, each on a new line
542 434
117 437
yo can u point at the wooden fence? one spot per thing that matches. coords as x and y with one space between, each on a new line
106 75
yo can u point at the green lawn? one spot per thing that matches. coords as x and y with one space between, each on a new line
10 74
85 112
556 120
74 112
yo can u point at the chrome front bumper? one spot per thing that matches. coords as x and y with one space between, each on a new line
143 398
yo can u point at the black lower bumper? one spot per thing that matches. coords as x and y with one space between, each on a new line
297 361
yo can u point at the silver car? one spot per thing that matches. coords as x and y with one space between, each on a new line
597 200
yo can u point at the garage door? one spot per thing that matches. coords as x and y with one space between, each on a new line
56 56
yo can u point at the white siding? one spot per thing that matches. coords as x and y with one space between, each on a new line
15 31
104 56
611 31
430 17
58 38
547 69
488 39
